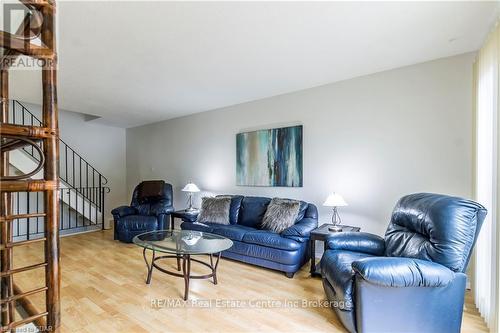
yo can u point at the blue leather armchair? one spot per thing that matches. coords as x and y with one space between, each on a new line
145 213
411 281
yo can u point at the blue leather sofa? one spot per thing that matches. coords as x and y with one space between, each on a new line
411 281
285 252
144 214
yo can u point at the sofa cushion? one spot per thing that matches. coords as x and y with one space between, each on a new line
215 210
233 232
301 231
287 268
284 257
252 211
196 226
234 209
271 239
336 268
137 222
280 214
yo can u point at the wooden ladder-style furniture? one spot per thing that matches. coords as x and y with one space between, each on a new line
38 23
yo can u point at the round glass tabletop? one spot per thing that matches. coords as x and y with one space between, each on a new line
183 242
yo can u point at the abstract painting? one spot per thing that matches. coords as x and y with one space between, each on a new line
271 157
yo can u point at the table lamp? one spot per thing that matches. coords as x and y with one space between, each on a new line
335 200
191 188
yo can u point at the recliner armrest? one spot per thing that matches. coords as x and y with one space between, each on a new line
158 209
302 228
357 242
123 211
403 272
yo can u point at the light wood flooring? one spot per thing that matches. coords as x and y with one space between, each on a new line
104 290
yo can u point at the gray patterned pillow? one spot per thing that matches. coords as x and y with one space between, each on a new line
280 214
215 210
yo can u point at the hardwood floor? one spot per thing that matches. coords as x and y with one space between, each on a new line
104 290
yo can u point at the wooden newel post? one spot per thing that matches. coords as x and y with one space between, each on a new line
51 172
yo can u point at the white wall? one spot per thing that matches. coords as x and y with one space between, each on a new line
373 139
102 146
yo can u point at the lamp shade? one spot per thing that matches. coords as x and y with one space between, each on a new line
191 187
335 200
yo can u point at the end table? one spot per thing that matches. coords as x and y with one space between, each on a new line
321 233
185 216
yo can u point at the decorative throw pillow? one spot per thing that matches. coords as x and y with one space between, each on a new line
280 214
215 210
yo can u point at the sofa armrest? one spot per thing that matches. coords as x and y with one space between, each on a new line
123 211
403 272
357 242
302 228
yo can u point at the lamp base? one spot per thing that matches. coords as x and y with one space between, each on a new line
335 228
191 210
336 221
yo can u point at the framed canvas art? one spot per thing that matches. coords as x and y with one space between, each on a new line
271 157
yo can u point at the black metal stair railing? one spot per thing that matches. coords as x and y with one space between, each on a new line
76 214
83 187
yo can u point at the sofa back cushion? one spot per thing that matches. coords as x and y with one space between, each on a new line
234 210
436 228
252 211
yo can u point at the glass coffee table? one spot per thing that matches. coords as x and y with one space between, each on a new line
181 245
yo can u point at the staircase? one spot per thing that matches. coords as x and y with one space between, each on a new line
82 192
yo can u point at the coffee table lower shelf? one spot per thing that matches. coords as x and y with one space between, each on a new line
183 265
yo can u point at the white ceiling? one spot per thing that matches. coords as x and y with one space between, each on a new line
134 63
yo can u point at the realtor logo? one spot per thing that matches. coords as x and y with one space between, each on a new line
22 37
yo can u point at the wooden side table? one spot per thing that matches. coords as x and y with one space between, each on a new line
184 215
321 233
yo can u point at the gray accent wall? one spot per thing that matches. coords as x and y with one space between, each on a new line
372 139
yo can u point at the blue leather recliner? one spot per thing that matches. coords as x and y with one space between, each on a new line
148 211
285 252
411 281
